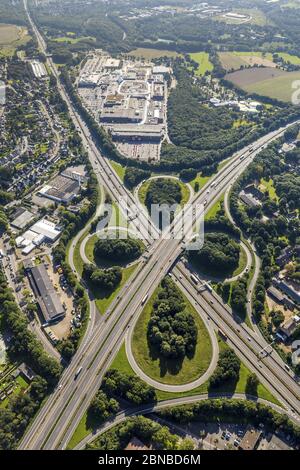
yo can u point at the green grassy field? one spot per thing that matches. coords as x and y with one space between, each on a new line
119 169
201 180
103 298
215 208
268 186
280 88
12 36
292 59
72 40
152 53
238 387
202 58
170 371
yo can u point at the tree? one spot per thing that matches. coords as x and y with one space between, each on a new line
252 384
186 444
102 407
227 370
277 318
38 388
131 388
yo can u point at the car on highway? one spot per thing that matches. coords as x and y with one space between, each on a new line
77 373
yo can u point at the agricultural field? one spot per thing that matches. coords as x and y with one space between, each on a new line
278 87
202 58
12 36
236 59
150 54
274 83
253 76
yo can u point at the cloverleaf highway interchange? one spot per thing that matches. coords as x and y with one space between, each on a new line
139 342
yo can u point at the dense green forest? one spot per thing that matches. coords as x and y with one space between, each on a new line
171 329
118 249
102 278
163 191
220 254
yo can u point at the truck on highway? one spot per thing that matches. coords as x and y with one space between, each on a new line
144 299
222 334
194 279
209 287
77 372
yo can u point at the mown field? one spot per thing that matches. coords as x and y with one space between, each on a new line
202 58
236 59
274 83
73 40
150 54
12 36
253 76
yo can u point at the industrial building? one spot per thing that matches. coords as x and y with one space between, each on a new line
137 134
22 217
130 100
41 231
49 302
89 81
112 64
122 116
251 439
61 189
38 69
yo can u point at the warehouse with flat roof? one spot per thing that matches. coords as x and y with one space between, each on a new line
49 302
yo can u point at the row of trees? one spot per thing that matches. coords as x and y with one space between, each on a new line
172 330
239 296
238 411
149 432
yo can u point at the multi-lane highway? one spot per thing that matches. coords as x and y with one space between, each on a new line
57 420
